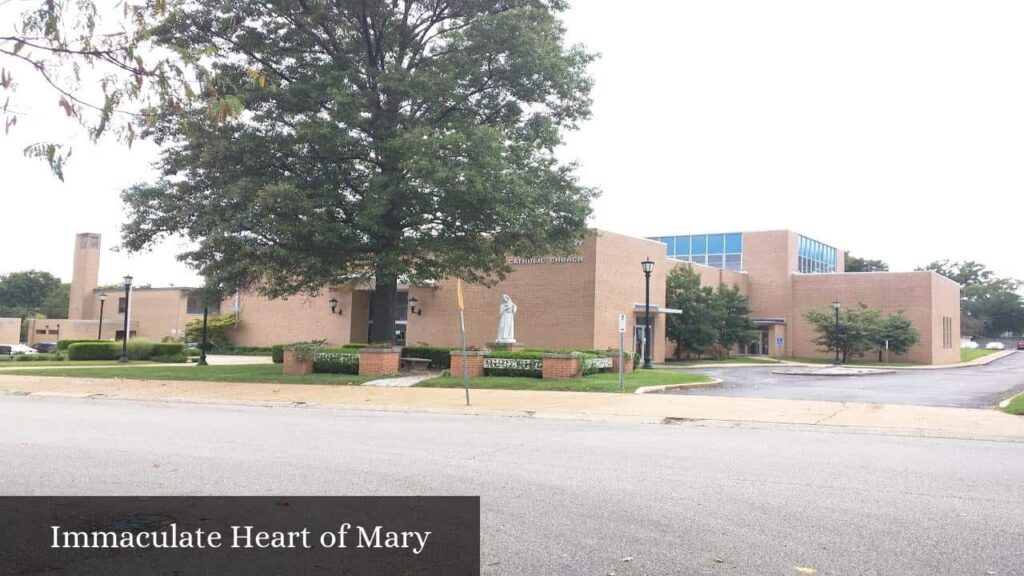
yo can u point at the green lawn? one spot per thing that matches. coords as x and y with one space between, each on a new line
256 373
603 382
8 364
730 360
968 354
1016 405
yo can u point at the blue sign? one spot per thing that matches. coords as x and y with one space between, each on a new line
779 341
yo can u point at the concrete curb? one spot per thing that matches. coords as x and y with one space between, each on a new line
714 383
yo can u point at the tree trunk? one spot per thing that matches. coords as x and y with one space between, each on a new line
382 327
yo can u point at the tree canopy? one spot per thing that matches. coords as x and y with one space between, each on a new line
380 140
708 317
94 62
861 330
855 264
33 293
989 305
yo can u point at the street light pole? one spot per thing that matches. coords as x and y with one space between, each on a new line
648 267
127 308
202 346
836 305
103 300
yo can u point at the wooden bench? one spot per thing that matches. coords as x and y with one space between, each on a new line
416 364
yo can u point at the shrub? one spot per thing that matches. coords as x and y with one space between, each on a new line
64 344
193 352
217 328
440 356
167 348
717 352
524 354
178 358
277 350
38 357
304 351
140 349
336 363
94 351
243 350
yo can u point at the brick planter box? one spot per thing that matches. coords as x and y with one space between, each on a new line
474 360
627 364
379 361
561 367
293 366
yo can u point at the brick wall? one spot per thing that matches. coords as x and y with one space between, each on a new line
474 361
265 322
10 330
555 301
923 297
560 367
374 362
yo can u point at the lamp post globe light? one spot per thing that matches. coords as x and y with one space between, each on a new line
648 267
103 300
836 305
127 308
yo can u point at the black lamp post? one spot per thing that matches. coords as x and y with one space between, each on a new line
837 305
103 300
127 308
648 266
203 345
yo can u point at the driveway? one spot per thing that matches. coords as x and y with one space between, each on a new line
977 387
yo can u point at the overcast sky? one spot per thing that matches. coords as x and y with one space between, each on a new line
891 129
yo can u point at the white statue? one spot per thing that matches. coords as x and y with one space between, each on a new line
507 320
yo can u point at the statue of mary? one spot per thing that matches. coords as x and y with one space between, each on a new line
507 320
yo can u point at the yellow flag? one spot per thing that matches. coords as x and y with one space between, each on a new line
458 286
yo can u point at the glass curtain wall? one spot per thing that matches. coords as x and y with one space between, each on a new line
717 250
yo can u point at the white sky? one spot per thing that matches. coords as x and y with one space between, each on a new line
894 129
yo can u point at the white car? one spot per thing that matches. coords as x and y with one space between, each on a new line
995 346
21 349
968 344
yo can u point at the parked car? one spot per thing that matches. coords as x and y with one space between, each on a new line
44 347
995 346
968 344
1020 345
22 349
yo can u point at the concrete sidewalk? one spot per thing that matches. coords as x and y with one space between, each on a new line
916 420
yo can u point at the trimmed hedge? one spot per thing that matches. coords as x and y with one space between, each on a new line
277 350
178 358
64 344
440 356
277 353
41 357
327 362
242 350
137 350
166 348
94 351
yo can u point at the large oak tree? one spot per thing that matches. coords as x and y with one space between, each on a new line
380 140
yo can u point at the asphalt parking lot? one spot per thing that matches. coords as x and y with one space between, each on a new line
976 387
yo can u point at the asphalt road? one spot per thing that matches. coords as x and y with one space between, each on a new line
564 497
977 387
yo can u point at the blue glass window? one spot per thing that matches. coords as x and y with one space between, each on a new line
699 244
670 242
716 243
733 243
683 245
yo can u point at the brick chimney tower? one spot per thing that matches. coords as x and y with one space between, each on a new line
85 277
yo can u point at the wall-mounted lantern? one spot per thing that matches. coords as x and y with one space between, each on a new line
334 306
413 303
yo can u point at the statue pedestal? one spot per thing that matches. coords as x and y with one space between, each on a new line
508 346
